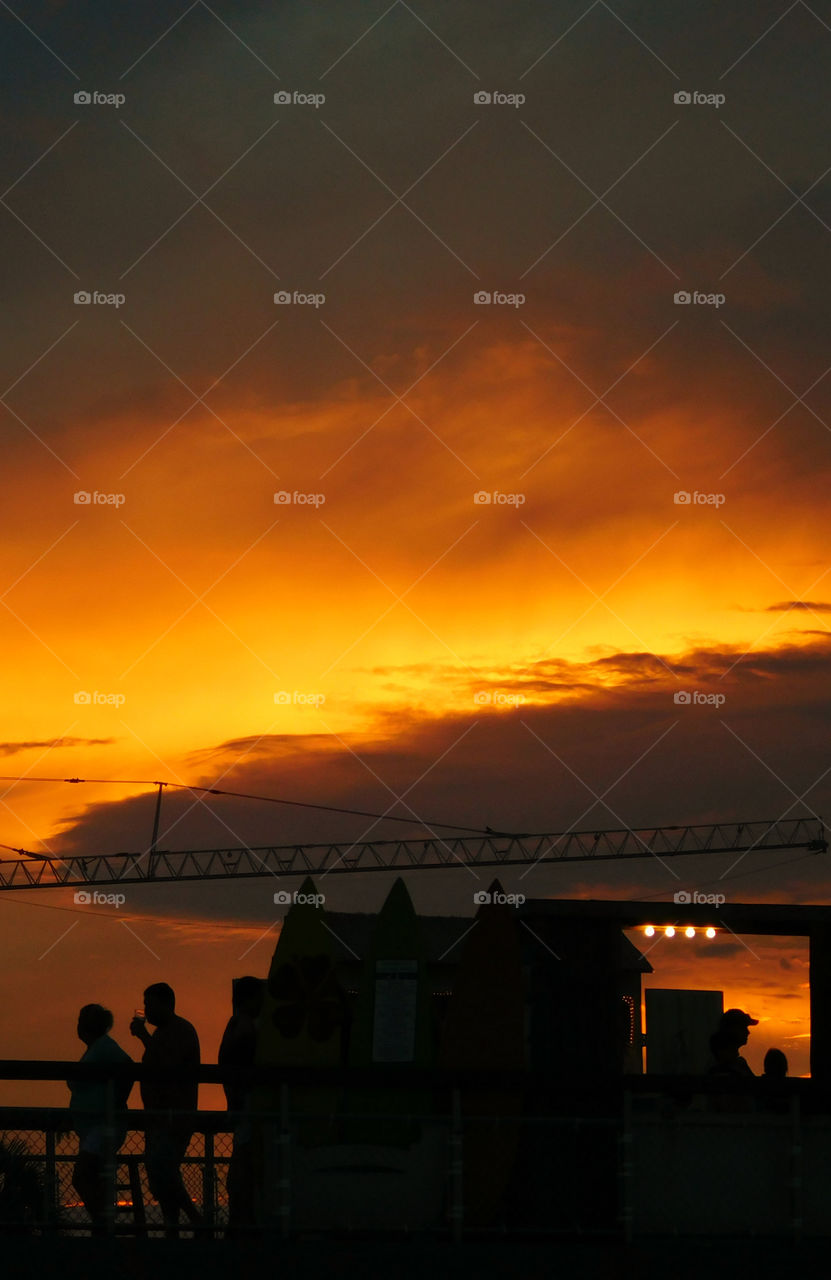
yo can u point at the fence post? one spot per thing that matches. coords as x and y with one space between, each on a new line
796 1169
456 1170
285 1162
209 1180
625 1167
108 1170
50 1180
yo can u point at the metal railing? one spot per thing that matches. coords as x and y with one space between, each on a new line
455 1153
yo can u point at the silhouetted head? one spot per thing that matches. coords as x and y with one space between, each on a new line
94 1021
735 1023
159 1004
776 1064
247 996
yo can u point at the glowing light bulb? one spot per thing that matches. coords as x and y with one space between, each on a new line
689 932
669 932
650 931
711 933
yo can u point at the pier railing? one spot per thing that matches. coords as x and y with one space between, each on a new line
392 1149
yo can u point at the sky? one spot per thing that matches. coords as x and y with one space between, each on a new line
383 544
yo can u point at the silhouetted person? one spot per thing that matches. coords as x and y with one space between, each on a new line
97 1145
776 1064
734 1027
727 1061
174 1043
775 1095
239 1043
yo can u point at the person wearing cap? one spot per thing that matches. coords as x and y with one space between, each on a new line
733 1033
